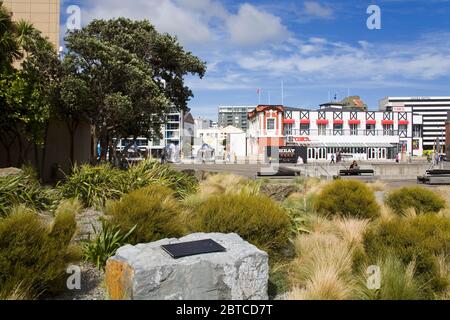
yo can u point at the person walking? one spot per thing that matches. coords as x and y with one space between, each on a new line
332 159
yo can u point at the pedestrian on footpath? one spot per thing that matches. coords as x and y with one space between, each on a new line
332 159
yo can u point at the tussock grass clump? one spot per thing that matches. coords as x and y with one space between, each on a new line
323 269
422 200
420 239
398 281
377 186
152 172
34 255
347 198
222 184
23 189
152 211
256 219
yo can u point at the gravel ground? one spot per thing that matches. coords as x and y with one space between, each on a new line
91 286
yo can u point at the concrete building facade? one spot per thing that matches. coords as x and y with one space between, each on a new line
235 116
43 14
432 109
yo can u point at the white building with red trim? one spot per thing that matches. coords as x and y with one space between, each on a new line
333 129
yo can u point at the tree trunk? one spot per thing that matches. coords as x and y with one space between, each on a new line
36 160
44 153
72 131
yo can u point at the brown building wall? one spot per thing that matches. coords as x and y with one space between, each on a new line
43 14
57 150
447 139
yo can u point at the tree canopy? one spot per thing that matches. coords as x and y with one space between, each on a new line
121 76
135 75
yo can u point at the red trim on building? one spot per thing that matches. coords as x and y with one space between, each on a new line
305 121
403 122
371 121
354 121
338 121
387 122
289 121
322 121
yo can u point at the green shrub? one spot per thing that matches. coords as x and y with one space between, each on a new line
420 239
153 210
152 172
94 185
422 200
34 256
105 245
22 189
257 219
347 198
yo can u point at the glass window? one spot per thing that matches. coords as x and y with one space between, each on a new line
388 129
270 124
337 129
288 129
322 130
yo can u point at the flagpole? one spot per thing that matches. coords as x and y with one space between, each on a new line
282 92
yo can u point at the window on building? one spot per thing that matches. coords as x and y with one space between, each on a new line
322 129
417 131
353 129
403 131
337 129
270 124
172 126
304 129
388 130
288 129
173 118
370 130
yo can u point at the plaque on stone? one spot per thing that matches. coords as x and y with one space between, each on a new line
192 248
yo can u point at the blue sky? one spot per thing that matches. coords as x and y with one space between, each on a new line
317 48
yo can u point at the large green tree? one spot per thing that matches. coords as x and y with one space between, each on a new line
27 96
134 75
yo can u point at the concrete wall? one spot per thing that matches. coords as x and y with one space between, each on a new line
57 152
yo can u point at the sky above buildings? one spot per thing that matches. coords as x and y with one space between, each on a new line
318 49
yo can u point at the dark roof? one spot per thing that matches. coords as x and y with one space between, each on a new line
295 109
329 109
332 104
189 118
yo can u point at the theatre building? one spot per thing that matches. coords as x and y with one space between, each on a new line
316 135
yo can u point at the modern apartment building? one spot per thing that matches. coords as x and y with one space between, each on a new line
235 116
432 109
361 135
179 130
43 14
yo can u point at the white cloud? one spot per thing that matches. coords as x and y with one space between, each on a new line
343 62
315 9
189 25
252 26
